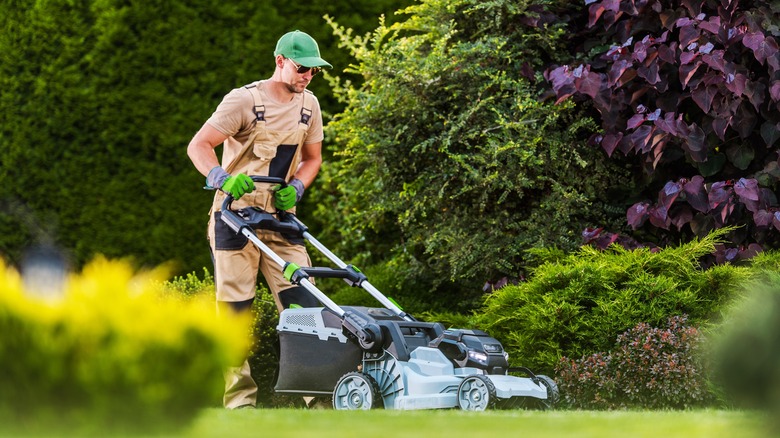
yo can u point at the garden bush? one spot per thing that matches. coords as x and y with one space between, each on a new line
111 355
574 305
264 351
746 348
649 368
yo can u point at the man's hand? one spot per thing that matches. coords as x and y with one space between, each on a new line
238 185
286 198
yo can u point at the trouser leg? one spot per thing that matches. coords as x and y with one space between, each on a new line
240 387
235 276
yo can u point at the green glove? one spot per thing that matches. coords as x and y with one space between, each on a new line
238 185
284 198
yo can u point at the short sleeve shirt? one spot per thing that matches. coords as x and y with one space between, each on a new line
235 115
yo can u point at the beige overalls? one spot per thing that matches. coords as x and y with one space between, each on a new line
236 259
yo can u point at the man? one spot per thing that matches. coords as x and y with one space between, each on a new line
271 128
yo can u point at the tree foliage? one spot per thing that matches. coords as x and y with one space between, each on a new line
446 157
692 89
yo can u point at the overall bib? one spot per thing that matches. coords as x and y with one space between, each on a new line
236 259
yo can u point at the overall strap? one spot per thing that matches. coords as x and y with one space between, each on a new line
259 124
305 110
258 108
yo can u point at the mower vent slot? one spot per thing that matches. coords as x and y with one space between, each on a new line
302 320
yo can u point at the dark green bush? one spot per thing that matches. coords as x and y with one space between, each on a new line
649 368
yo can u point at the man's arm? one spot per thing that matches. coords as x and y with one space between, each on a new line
201 148
311 160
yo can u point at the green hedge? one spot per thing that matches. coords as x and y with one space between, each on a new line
111 355
99 99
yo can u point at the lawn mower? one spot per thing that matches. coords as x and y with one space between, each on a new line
365 357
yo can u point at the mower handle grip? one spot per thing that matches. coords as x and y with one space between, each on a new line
256 178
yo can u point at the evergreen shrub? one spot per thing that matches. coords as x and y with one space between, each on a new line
575 305
111 355
650 368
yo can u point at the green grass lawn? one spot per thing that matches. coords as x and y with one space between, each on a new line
297 423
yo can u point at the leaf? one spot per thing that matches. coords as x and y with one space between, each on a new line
747 189
719 193
740 155
753 40
680 215
668 124
703 96
762 47
776 219
696 195
650 73
560 76
736 83
687 57
713 165
695 144
688 34
763 218
616 71
669 194
687 71
712 25
715 60
774 91
638 214
770 132
590 83
594 13
636 120
668 18
610 142
659 217
756 92
745 120
639 139
719 125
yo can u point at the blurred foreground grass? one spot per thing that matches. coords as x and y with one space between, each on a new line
291 423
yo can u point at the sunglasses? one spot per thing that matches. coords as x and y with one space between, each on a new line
301 69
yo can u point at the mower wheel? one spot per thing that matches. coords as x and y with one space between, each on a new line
476 393
553 395
356 391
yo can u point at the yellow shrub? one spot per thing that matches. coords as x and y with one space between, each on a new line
111 352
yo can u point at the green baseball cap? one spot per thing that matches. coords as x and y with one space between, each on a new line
301 48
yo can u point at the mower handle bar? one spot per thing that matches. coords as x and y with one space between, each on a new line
373 291
261 179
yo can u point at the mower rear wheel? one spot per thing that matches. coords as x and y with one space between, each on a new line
476 393
356 391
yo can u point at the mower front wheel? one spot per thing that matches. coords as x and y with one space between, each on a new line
356 391
476 393
553 394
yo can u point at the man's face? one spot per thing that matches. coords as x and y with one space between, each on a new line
296 82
